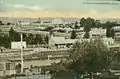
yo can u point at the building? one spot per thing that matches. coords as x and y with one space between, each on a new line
105 40
97 32
35 24
17 45
108 41
80 32
24 24
57 21
117 36
7 68
65 29
58 34
46 22
34 32
60 42
117 32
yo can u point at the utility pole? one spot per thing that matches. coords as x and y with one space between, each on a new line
21 54
21 50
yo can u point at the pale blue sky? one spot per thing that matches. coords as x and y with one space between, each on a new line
60 8
56 5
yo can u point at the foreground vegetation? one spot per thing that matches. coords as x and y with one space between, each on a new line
13 36
31 39
85 57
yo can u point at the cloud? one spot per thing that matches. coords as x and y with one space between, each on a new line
29 7
1 2
44 14
93 11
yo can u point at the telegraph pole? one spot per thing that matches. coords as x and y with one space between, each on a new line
21 54
21 50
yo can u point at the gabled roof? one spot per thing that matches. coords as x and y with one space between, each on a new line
116 28
62 40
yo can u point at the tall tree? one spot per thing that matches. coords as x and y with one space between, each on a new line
18 68
108 34
0 30
30 39
87 23
48 29
5 41
1 23
13 35
82 22
47 39
76 25
86 35
91 22
73 34
98 24
112 32
38 39
24 37
90 56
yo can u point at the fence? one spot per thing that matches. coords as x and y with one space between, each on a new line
39 76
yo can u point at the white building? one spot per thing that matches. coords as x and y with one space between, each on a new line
117 32
60 42
64 29
24 24
58 21
7 68
105 40
46 22
108 41
17 45
35 24
97 32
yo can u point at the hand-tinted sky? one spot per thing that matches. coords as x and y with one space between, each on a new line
74 6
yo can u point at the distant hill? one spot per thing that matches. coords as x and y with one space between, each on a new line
13 20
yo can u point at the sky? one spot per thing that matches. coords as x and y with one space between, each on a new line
59 8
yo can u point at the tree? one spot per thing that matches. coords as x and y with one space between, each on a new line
73 34
5 41
56 68
76 25
48 29
61 31
86 35
91 22
86 28
90 56
38 39
82 22
98 24
30 39
0 30
87 23
112 32
115 55
13 35
108 32
47 39
1 23
24 37
18 68
8 23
